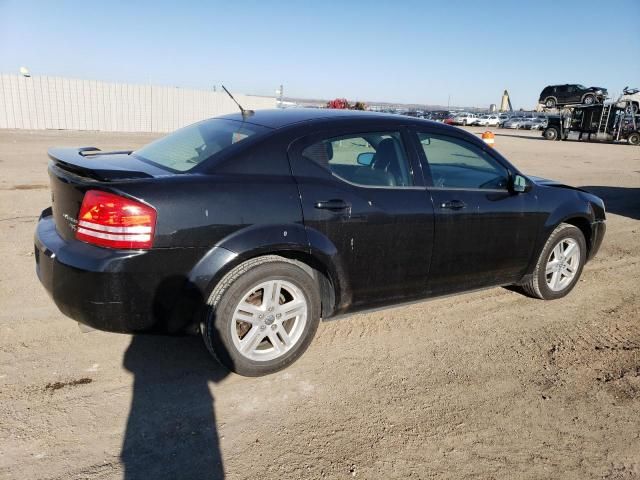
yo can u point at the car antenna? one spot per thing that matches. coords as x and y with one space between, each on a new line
245 113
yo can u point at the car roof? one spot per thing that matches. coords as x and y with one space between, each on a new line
277 118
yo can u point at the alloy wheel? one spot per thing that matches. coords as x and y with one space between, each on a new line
563 264
269 320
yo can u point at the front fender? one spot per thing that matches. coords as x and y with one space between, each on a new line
569 211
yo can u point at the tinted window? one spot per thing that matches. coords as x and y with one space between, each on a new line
455 163
185 148
372 159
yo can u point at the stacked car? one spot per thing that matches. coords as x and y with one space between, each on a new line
554 96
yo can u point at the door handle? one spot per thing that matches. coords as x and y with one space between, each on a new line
453 204
334 205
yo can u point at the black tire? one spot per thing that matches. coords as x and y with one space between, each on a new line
589 99
551 133
634 138
215 324
550 102
464 123
537 285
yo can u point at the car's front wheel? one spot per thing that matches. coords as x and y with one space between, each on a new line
550 103
261 316
634 138
559 265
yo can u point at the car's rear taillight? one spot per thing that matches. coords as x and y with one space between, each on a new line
113 221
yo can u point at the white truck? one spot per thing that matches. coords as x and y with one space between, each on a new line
465 118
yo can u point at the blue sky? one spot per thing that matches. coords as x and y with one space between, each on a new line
400 51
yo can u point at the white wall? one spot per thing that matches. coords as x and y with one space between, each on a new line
65 103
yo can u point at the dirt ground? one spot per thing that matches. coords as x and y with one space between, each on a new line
484 385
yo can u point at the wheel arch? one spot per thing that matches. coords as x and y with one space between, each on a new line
581 220
312 251
584 224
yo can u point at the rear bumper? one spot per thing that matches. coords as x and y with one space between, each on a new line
124 291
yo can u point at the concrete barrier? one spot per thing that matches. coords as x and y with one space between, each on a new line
43 102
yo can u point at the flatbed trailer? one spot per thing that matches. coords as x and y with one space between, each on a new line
607 122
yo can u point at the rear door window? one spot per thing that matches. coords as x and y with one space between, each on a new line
375 159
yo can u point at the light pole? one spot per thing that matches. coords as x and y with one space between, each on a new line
280 93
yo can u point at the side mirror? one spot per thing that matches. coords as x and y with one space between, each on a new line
519 184
365 159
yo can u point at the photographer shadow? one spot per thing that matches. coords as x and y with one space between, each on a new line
171 429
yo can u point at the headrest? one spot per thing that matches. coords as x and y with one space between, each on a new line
385 153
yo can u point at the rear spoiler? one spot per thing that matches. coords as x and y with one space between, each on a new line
91 162
86 151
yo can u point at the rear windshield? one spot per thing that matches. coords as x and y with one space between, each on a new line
183 149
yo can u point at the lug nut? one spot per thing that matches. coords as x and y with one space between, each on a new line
271 309
262 327
260 316
273 326
278 315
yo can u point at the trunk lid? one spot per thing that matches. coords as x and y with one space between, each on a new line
73 171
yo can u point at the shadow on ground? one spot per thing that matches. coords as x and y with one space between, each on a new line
619 200
171 431
526 137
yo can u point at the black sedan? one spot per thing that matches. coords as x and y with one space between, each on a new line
251 228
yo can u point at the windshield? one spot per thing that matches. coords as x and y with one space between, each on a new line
185 148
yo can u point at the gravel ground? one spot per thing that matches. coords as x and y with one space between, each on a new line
489 384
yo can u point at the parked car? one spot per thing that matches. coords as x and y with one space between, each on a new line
487 121
464 118
538 123
568 94
514 122
629 100
251 229
503 118
437 116
450 119
530 123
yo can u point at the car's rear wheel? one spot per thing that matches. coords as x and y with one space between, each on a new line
550 103
589 99
634 138
261 316
559 265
